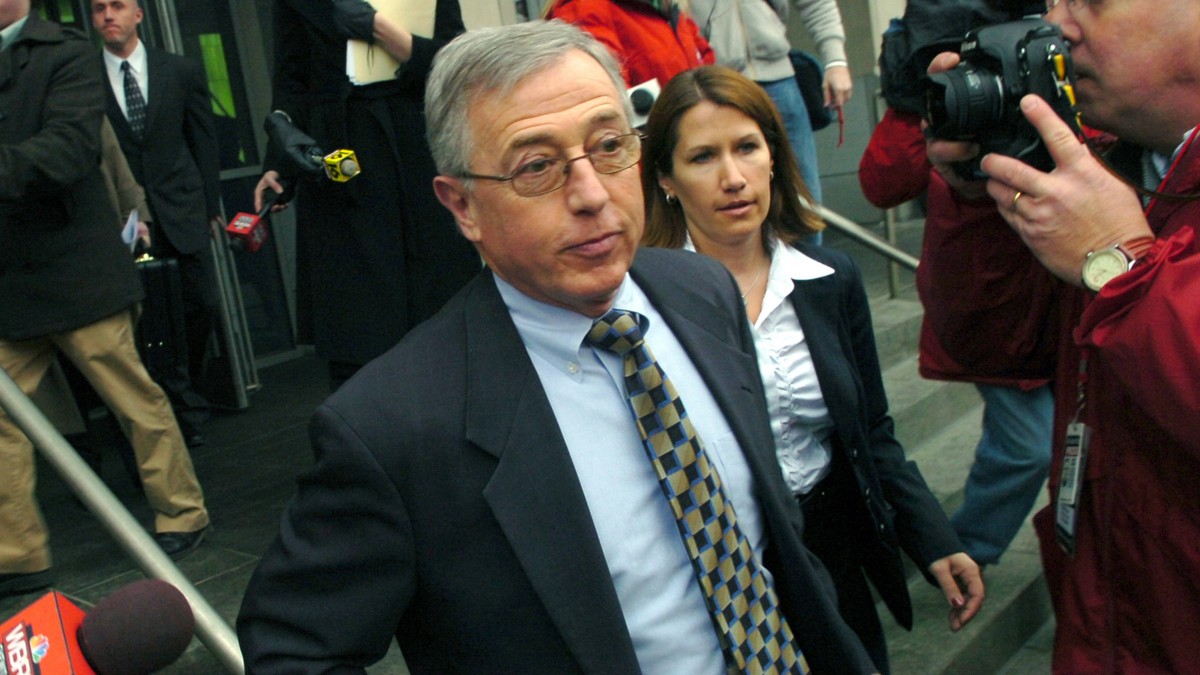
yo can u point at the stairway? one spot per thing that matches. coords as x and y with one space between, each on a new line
939 424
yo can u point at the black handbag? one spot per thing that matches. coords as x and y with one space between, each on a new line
810 77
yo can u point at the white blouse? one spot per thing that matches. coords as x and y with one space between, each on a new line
799 418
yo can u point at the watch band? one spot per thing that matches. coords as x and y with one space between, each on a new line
1136 249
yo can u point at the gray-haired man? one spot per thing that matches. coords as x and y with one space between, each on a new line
481 491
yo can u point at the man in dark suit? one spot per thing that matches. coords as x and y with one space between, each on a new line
159 106
67 285
481 492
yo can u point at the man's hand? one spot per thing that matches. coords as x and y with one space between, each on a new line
943 155
270 179
838 86
1063 215
354 19
143 233
957 573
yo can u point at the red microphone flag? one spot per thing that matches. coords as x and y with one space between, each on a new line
42 639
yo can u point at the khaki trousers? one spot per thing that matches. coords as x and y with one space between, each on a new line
105 353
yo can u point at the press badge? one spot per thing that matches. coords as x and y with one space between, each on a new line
1070 484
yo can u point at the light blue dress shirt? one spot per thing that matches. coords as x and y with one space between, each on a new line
10 32
663 605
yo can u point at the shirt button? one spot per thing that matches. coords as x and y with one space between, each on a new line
572 368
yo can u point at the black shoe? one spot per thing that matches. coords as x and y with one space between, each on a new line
178 544
18 583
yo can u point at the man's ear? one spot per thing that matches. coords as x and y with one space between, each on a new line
457 198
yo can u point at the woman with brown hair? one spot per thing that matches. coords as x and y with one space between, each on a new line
720 178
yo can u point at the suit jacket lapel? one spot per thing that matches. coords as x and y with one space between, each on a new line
816 302
157 79
535 494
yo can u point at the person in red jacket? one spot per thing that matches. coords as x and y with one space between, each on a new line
1120 540
652 39
964 236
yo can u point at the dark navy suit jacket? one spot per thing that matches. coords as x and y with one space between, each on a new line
444 508
176 161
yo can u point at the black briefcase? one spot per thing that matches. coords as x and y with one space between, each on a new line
161 332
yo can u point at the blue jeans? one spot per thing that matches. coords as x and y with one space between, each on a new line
1012 462
786 95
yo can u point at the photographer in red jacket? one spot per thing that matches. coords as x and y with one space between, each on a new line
1119 540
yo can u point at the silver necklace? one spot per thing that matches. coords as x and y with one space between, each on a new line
753 285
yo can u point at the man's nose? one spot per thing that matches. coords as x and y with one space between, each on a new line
585 189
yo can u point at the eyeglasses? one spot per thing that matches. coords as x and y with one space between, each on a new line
1072 5
539 176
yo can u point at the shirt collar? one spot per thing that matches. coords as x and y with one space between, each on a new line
9 34
557 334
788 266
1162 163
137 59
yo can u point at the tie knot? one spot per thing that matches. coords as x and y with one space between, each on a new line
125 66
617 331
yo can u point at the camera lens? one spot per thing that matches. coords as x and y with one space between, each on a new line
965 101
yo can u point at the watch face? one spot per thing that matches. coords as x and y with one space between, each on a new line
1103 266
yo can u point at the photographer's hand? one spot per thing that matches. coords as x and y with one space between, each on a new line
1065 214
944 154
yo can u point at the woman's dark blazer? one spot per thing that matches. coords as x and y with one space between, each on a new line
901 510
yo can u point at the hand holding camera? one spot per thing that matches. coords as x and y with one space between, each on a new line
1004 111
1063 216
978 99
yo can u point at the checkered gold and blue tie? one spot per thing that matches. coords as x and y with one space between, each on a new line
745 610
135 104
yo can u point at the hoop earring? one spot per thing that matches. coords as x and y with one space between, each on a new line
771 176
669 197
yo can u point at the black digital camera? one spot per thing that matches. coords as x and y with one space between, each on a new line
979 100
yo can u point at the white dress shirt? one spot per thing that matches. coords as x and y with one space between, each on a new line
116 78
799 418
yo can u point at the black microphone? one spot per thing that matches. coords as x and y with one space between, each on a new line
142 628
641 99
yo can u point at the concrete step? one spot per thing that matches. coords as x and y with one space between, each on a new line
1017 605
1016 608
924 408
897 324
1034 656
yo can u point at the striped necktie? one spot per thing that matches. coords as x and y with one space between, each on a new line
135 105
753 631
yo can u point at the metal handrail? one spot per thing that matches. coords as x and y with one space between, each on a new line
212 630
867 238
